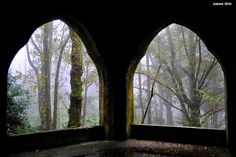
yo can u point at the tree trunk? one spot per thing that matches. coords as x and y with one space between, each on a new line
46 76
140 90
56 83
76 83
86 83
187 92
176 78
161 120
149 113
193 95
85 103
39 86
43 76
169 115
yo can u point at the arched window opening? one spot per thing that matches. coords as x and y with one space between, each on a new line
52 83
179 82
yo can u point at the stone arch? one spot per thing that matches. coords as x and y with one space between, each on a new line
136 60
92 52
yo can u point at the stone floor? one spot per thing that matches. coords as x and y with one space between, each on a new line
129 148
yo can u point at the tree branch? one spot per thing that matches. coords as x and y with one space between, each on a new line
162 99
206 73
184 70
170 89
35 45
67 108
150 99
170 103
209 113
200 58
30 61
62 45
185 47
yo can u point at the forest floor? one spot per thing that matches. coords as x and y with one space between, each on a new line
129 148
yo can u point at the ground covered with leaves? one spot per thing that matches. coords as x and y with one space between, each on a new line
129 148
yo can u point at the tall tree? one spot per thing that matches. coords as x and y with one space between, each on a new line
42 69
168 97
141 105
76 82
46 72
190 103
185 79
64 40
49 55
88 80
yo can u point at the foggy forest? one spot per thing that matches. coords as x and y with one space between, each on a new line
178 82
53 83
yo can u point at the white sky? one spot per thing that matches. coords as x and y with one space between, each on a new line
20 62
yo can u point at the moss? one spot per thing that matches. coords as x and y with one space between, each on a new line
76 82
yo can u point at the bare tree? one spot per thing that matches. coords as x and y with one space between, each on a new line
185 76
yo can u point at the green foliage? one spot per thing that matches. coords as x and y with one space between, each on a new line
17 103
34 75
208 96
92 120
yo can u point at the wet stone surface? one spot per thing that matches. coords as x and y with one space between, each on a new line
129 148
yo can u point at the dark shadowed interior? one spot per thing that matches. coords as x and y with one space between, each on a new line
116 36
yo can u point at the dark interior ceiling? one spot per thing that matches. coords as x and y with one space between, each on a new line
119 32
